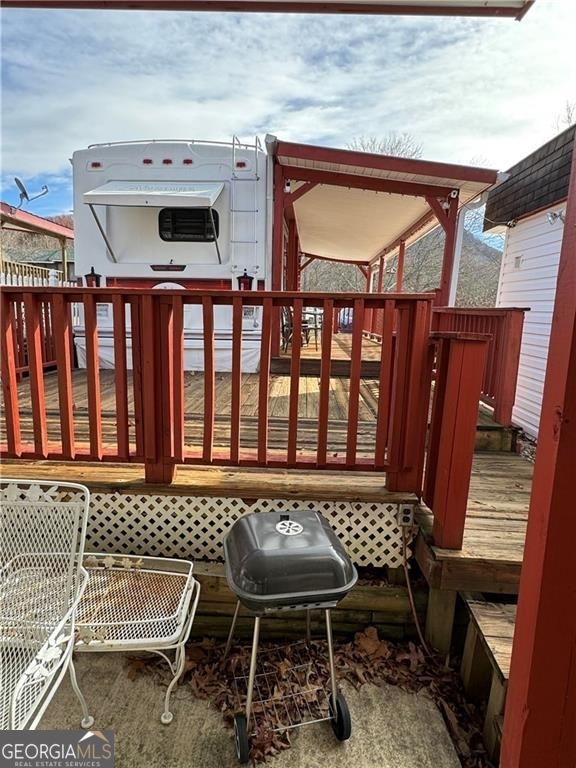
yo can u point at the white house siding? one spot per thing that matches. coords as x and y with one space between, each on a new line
528 279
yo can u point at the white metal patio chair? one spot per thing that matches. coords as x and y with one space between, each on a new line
137 604
42 532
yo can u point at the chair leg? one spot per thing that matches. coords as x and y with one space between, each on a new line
180 657
87 719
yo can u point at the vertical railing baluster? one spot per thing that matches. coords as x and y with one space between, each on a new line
325 369
93 376
294 394
120 377
209 378
36 369
235 427
138 378
62 331
176 340
9 379
355 374
385 384
263 386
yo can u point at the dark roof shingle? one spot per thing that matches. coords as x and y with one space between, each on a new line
536 182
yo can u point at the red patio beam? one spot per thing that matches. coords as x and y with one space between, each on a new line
372 183
355 159
415 8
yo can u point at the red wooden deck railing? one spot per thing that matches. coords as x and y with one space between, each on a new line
504 329
149 424
149 403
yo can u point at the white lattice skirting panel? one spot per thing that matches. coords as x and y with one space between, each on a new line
194 527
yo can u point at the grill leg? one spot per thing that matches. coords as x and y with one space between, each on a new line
232 626
331 654
252 673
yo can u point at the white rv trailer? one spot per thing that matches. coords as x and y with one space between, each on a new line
175 214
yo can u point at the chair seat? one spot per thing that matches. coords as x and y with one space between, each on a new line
132 602
136 604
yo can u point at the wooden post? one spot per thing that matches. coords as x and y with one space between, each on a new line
400 267
156 379
440 618
277 252
460 369
292 257
447 215
540 716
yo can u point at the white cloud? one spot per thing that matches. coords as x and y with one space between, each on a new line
463 87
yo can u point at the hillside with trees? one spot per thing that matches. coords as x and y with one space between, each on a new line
477 284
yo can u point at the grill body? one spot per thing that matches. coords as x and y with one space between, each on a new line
278 561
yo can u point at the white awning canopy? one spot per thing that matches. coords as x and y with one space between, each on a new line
155 194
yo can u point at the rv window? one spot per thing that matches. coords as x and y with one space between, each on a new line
187 225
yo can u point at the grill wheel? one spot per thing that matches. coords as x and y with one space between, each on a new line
341 723
241 738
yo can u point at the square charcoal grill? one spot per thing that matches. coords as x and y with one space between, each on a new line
278 561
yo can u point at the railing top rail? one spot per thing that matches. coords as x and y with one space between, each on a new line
495 311
460 336
256 297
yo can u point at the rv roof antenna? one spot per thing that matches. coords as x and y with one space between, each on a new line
24 196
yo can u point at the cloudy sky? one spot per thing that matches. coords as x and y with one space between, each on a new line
469 90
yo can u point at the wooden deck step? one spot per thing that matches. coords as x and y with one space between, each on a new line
486 662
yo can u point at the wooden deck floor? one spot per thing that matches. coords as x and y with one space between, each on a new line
491 556
278 403
278 399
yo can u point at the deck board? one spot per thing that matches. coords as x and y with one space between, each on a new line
493 546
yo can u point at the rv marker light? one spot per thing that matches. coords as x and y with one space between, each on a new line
147 161
167 161
187 161
241 164
95 164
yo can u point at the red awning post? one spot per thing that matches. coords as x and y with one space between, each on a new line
400 266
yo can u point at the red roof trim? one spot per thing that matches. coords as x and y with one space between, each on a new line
383 162
383 8
30 221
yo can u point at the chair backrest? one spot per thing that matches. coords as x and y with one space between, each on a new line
42 533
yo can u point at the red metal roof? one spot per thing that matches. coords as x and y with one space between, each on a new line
15 218
357 206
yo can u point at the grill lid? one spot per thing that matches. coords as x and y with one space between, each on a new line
276 559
